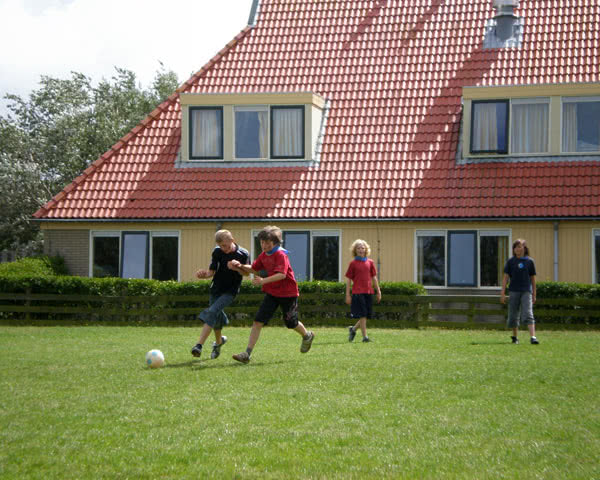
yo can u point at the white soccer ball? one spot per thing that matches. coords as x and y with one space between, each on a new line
155 359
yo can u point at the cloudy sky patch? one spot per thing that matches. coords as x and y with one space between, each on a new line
55 37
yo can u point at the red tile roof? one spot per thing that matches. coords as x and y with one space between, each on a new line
393 72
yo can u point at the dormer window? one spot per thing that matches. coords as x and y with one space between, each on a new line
206 133
250 128
287 132
251 132
531 121
489 128
581 124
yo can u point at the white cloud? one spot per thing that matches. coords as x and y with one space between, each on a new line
55 37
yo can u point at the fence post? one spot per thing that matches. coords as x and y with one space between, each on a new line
27 304
471 313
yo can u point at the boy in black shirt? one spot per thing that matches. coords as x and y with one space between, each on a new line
520 270
225 286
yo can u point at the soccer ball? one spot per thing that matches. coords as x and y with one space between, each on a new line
155 359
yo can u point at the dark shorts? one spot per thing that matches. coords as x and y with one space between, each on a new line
362 305
289 308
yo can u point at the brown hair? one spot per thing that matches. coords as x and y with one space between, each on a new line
521 241
271 233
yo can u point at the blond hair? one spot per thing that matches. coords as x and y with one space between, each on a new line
223 235
358 242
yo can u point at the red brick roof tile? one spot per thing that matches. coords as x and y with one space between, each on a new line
393 72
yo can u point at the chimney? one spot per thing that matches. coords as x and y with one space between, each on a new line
505 18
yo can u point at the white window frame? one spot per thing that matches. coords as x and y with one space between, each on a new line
595 233
529 101
313 234
252 108
481 232
574 99
119 235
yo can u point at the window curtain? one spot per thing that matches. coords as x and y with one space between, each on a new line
206 130
529 128
569 137
502 257
287 132
263 130
485 127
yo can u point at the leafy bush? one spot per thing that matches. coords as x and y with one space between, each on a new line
39 265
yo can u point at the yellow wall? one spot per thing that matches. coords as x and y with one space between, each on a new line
392 243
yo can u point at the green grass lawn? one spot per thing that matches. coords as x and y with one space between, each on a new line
78 402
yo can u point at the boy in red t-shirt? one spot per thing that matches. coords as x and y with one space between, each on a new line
361 276
280 288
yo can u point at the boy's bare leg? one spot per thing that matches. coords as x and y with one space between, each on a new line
218 337
362 323
206 329
301 329
254 333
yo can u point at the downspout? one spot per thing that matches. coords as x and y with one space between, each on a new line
556 251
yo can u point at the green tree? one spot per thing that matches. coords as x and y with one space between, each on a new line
47 140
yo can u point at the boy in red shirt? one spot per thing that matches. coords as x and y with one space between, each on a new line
361 276
280 288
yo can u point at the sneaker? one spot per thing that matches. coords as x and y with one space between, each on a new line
515 340
197 350
307 342
242 357
351 334
366 339
216 351
534 341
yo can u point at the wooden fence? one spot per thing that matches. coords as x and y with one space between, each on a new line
317 308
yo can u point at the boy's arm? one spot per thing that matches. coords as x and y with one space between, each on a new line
532 288
202 273
348 296
276 277
376 287
240 268
503 291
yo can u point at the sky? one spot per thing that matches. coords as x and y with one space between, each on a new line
56 37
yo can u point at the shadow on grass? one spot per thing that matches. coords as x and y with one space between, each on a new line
492 342
208 364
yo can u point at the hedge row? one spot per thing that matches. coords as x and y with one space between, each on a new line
321 301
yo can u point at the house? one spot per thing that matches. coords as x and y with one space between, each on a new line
438 131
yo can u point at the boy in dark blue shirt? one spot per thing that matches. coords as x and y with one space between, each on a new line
520 270
225 286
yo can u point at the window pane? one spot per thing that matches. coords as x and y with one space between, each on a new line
462 252
287 140
106 257
296 243
529 128
581 127
251 134
326 258
135 255
164 258
206 132
257 247
597 252
431 261
488 127
493 252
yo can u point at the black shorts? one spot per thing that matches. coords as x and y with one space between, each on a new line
362 305
289 308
